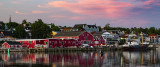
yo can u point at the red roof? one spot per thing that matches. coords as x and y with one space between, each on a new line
124 36
152 35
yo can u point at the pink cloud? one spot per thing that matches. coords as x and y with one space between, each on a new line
44 6
109 8
38 12
149 2
17 12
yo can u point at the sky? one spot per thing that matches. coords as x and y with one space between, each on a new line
118 13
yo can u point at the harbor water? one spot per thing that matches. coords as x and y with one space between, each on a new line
150 58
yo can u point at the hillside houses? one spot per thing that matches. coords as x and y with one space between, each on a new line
88 28
82 35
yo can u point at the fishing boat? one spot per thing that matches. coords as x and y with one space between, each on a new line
135 45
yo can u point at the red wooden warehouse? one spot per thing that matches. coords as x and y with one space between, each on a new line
11 45
34 43
98 39
86 39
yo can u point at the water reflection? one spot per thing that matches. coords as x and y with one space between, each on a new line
82 59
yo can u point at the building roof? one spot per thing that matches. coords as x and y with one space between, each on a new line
76 26
14 43
105 33
66 34
99 34
92 26
152 35
29 39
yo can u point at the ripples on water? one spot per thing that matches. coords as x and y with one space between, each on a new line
82 59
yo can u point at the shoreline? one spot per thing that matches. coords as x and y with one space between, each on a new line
70 49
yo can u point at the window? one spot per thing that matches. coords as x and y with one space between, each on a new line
50 46
30 42
101 40
86 38
62 43
56 42
85 42
71 42
53 43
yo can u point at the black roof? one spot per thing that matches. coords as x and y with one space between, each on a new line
78 25
1 22
92 26
74 33
14 43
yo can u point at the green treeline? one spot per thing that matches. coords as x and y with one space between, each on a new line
38 29
151 30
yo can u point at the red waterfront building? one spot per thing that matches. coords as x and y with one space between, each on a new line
34 43
74 38
98 39
62 43
69 39
64 39
86 39
11 45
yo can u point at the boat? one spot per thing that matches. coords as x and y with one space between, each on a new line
135 45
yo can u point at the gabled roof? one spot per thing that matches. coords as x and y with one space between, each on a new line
13 43
76 26
66 34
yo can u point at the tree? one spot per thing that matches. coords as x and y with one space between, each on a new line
12 25
19 32
25 23
151 30
54 28
107 27
2 26
40 29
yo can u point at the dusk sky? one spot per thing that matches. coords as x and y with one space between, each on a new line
121 13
